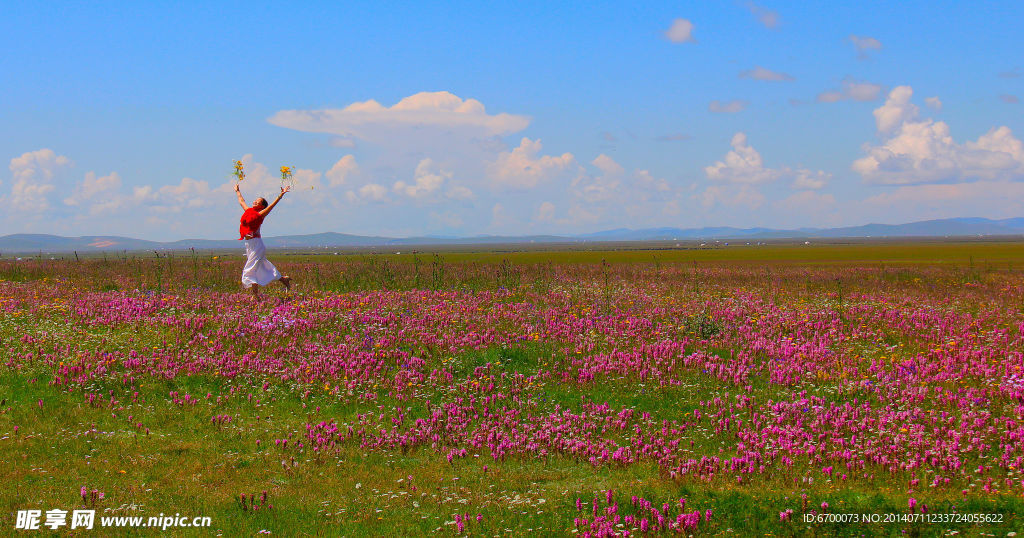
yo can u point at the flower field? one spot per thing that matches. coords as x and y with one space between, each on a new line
493 395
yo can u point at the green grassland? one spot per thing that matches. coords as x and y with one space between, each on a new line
150 454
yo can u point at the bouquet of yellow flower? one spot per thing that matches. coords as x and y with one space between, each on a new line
239 173
286 175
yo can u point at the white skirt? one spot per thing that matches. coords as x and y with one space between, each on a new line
258 269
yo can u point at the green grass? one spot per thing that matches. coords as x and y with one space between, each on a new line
178 460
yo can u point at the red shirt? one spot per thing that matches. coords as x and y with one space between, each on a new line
250 224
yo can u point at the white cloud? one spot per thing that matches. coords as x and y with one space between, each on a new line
613 195
808 179
306 181
864 43
646 181
727 107
371 192
187 194
524 167
741 165
853 90
767 17
342 170
603 187
458 192
681 31
934 103
608 166
760 73
923 151
32 179
425 181
433 111
92 186
744 165
545 212
896 110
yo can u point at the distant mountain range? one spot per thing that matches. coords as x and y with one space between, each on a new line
955 227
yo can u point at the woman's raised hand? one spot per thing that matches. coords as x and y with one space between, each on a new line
236 188
286 189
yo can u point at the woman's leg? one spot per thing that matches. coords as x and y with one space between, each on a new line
255 292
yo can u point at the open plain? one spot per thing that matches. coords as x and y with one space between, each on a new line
707 391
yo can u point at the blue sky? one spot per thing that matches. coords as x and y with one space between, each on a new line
514 118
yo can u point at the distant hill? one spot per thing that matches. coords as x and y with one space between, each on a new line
955 227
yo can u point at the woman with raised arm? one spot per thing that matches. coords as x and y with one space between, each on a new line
258 270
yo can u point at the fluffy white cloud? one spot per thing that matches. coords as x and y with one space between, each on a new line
305 182
923 151
727 107
760 73
646 181
608 166
744 165
603 187
187 194
524 167
852 90
615 196
434 111
896 110
545 212
767 17
808 179
425 181
345 167
371 192
681 31
32 179
741 165
460 192
93 186
934 103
